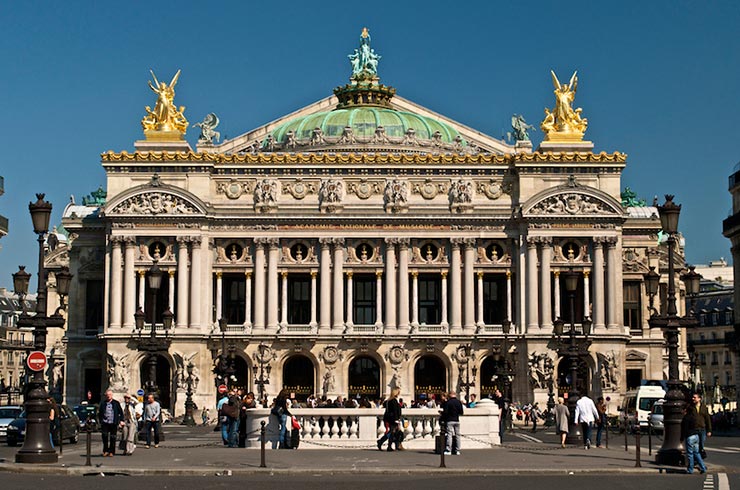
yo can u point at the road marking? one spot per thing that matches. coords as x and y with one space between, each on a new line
527 437
722 450
723 481
709 482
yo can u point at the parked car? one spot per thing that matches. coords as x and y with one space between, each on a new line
85 411
656 416
7 415
70 427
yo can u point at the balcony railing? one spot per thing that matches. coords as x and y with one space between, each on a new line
327 428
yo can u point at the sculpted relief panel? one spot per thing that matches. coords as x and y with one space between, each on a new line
155 203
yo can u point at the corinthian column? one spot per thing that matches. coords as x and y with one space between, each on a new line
141 300
556 294
481 323
325 277
613 275
115 296
248 300
171 292
350 322
546 297
455 287
313 322
586 295
219 295
469 286
259 283
509 309
532 293
403 285
390 284
284 300
415 298
338 297
443 321
273 255
129 282
598 277
195 282
182 282
378 299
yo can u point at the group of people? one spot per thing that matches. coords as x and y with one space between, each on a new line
232 416
113 416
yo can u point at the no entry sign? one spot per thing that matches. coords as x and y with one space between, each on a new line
222 389
36 361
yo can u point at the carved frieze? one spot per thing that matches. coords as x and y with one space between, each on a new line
396 196
155 203
331 195
493 189
299 189
266 195
461 196
430 189
233 189
571 203
364 189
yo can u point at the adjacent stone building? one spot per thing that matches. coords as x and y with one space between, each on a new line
360 243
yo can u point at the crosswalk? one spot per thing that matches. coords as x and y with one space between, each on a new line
721 479
724 449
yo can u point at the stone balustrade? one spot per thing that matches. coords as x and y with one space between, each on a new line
326 428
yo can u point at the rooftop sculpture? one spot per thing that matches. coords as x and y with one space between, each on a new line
564 123
166 121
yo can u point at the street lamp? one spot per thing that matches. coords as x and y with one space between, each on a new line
572 351
671 453
261 372
37 446
153 343
188 419
506 372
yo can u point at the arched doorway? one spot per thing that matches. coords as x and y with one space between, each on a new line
364 378
492 372
298 377
583 381
162 377
430 377
241 375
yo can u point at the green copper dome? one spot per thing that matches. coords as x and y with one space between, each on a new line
364 121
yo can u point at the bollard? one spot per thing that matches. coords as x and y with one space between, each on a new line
262 445
607 432
88 442
650 437
443 426
61 439
637 450
625 435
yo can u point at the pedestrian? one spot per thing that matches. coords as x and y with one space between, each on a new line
130 426
152 414
690 436
562 417
586 414
391 419
204 416
231 410
53 420
222 421
110 415
703 421
499 399
472 402
601 421
452 410
534 414
282 413
247 403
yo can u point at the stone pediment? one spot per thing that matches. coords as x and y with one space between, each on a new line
155 201
635 356
571 201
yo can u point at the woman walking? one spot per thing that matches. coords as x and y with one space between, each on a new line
562 415
280 410
391 420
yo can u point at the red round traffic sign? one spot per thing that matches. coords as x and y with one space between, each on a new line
36 361
222 389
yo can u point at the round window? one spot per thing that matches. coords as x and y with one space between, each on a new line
494 252
299 252
364 251
157 250
571 250
234 251
429 252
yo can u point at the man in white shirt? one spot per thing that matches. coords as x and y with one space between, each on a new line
586 414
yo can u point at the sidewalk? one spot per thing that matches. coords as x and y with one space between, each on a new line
198 452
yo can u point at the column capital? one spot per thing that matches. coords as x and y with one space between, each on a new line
116 240
557 274
314 274
338 242
325 242
349 274
586 274
196 240
219 274
284 274
443 274
479 274
508 274
129 240
456 242
272 242
414 274
183 241
545 241
532 241
611 242
469 243
403 243
142 272
378 274
248 274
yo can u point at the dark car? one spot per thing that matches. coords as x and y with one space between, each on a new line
85 412
7 415
70 427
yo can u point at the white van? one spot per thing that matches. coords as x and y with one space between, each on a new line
636 405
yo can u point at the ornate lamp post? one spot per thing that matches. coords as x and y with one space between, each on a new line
37 446
671 453
572 351
153 343
505 373
261 372
188 419
224 369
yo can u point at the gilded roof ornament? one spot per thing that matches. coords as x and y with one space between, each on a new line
564 123
166 122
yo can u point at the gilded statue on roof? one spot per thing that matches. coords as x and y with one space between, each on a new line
364 60
166 117
564 123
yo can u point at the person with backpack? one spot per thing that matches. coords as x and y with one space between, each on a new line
231 410
282 413
451 411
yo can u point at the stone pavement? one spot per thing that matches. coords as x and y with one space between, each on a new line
198 452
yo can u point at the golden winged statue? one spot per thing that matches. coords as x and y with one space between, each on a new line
564 123
166 119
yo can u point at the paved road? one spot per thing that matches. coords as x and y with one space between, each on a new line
322 482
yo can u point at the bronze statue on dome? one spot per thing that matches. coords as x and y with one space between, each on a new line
364 60
165 117
564 123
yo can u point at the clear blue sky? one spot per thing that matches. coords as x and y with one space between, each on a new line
658 80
